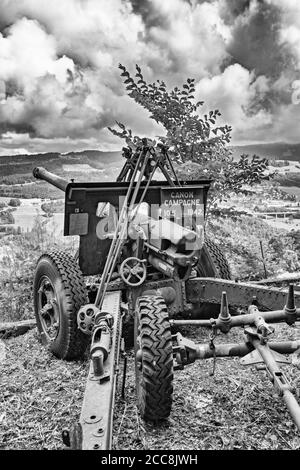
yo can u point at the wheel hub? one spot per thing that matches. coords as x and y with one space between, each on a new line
48 308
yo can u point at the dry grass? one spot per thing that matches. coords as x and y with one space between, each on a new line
39 395
235 409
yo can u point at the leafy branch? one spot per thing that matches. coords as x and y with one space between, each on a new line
196 143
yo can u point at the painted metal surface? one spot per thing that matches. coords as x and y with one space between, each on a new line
98 404
240 295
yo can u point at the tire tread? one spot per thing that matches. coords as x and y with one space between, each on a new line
155 400
76 295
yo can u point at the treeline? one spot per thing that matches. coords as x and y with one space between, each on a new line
28 158
292 179
16 179
39 190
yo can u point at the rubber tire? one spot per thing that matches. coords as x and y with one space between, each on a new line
154 382
67 279
212 262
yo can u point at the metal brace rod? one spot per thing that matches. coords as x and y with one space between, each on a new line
278 379
186 352
239 320
203 351
115 242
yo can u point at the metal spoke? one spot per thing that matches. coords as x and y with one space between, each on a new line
48 308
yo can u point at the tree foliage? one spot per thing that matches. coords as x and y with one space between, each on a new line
196 143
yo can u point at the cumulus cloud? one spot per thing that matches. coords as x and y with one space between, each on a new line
235 88
59 81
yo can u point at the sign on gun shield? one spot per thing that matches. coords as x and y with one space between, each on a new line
183 206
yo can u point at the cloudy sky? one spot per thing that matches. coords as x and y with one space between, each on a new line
60 85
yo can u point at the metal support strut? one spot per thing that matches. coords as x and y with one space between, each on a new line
256 350
277 377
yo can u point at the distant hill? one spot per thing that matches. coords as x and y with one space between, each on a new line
94 156
80 157
24 164
273 151
99 160
87 165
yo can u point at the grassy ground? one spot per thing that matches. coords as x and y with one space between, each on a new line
18 255
234 409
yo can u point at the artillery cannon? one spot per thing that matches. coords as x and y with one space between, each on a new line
142 243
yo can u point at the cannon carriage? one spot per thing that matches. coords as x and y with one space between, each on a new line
145 268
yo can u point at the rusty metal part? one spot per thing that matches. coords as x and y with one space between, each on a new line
240 295
98 404
42 174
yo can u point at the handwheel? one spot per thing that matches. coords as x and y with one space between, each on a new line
133 271
153 358
59 291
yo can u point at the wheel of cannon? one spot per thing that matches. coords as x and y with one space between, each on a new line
59 291
212 262
153 358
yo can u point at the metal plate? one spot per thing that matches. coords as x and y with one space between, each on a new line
79 224
184 206
240 295
254 358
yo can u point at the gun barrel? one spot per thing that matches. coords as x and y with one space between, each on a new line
42 174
